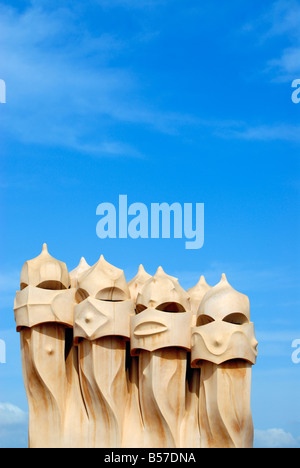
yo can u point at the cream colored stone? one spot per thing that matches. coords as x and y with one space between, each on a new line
133 433
95 319
45 272
34 306
224 405
153 329
133 416
144 364
163 292
43 360
223 330
101 328
135 285
103 281
224 347
78 271
190 426
43 314
160 334
197 293
104 389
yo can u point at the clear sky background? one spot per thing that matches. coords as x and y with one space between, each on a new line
164 101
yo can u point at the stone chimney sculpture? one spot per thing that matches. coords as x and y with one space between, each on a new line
101 328
160 336
43 312
224 348
141 364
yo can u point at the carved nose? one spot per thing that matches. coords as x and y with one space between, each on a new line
218 341
89 317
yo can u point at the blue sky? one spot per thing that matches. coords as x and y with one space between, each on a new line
164 101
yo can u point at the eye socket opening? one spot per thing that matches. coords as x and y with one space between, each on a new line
204 320
111 295
172 307
139 308
81 295
236 318
52 285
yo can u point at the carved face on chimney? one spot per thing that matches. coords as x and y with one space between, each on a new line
223 329
163 317
162 292
45 272
103 282
104 303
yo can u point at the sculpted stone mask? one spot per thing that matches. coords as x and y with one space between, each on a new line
103 281
78 271
197 293
45 272
163 317
162 292
95 319
137 283
223 329
104 305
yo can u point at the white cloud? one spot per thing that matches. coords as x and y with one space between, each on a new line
62 89
281 336
131 3
276 344
281 20
288 64
274 438
55 94
13 426
272 132
11 415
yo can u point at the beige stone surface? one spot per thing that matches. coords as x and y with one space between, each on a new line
197 293
135 285
103 281
101 329
78 271
224 347
146 363
160 334
45 272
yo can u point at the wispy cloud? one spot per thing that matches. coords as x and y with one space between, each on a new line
13 426
62 89
11 415
65 90
131 3
270 132
47 80
281 20
275 438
